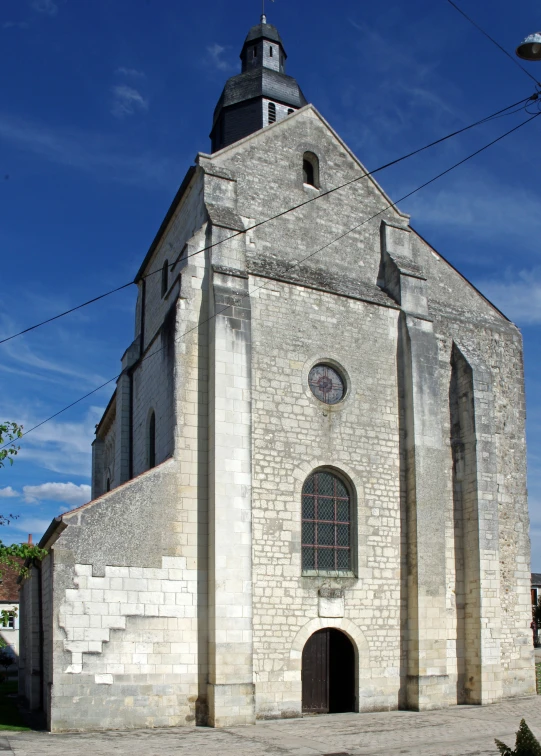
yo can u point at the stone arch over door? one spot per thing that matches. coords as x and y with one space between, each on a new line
356 636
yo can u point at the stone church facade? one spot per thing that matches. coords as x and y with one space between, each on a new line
309 488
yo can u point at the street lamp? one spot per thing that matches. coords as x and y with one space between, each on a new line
530 49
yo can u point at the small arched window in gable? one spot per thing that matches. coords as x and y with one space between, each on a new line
326 523
290 110
310 169
271 51
272 112
152 441
165 277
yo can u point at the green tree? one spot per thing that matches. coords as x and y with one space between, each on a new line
16 556
9 433
526 745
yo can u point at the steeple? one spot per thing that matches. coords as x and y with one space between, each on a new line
261 94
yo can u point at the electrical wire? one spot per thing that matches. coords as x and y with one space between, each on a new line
504 51
294 265
497 114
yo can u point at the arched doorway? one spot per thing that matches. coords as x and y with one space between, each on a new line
328 673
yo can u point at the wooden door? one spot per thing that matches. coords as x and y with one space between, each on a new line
315 673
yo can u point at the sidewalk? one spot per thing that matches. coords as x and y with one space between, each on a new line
458 731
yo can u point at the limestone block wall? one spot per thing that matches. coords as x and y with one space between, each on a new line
127 614
465 318
153 375
124 592
268 166
153 391
186 221
294 434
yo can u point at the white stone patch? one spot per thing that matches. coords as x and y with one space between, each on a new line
331 603
101 604
103 679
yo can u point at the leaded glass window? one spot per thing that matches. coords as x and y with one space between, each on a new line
326 523
326 384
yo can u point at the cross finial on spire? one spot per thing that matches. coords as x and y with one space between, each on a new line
263 16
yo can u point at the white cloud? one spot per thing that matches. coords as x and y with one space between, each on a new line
8 493
21 356
31 525
123 71
48 7
216 56
127 101
68 493
518 295
100 157
61 447
484 207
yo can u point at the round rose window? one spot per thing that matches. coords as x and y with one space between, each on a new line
326 384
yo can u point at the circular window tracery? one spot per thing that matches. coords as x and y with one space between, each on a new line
326 384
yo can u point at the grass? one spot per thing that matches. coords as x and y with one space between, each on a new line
538 678
10 717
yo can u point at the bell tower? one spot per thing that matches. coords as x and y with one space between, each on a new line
261 94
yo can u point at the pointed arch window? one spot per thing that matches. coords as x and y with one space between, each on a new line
272 112
152 441
165 277
326 523
310 169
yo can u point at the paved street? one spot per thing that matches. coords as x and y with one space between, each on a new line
459 731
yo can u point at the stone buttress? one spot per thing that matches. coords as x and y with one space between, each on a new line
231 688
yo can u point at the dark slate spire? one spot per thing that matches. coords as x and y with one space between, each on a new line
261 94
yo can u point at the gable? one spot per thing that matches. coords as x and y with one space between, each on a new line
268 169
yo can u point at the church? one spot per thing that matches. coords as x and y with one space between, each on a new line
309 487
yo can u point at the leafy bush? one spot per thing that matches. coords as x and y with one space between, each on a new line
6 658
526 745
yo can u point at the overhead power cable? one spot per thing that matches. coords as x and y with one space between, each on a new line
497 114
295 264
487 35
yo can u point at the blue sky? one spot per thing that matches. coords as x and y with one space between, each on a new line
105 105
